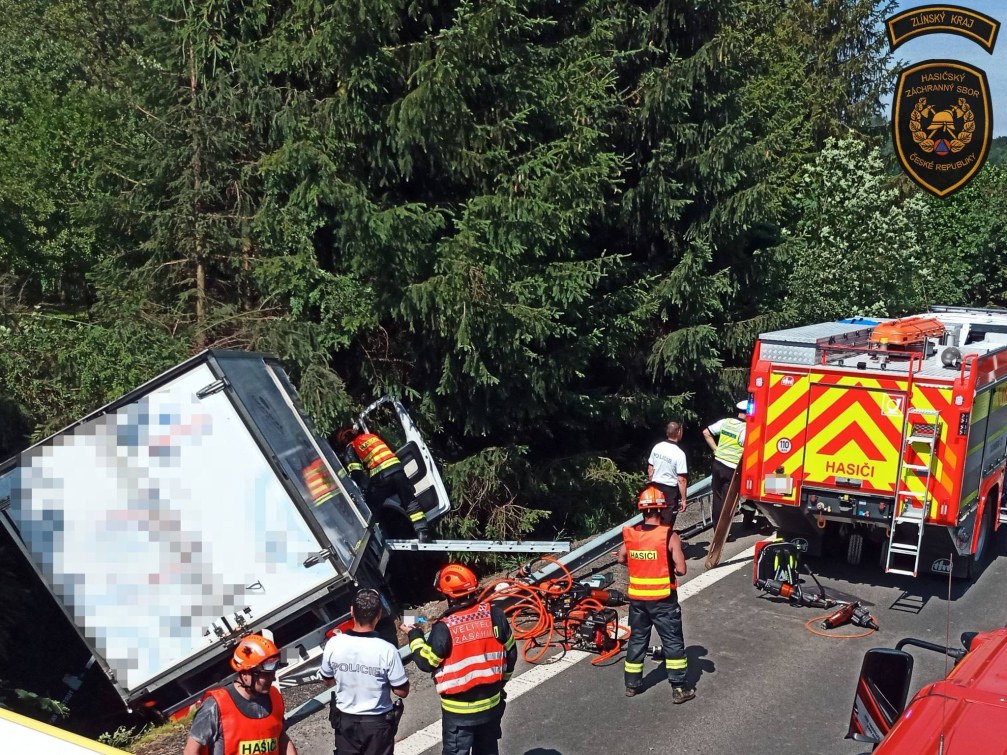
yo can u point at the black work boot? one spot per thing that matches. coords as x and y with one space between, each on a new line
631 691
680 695
423 536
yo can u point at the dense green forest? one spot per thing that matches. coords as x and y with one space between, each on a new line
550 227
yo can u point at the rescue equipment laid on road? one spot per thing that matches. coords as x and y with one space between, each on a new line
560 613
776 573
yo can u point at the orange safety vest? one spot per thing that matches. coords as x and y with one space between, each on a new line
477 656
650 575
249 736
319 481
374 453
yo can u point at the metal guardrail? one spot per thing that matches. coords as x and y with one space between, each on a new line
482 546
699 501
697 517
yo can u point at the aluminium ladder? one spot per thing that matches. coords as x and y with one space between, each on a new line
911 506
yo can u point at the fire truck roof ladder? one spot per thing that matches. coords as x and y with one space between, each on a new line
920 440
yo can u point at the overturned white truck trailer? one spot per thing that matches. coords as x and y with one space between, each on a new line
195 509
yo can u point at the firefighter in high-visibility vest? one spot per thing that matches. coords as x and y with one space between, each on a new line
246 716
726 438
471 653
653 553
386 476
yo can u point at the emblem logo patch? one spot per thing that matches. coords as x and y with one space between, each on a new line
943 19
942 123
941 566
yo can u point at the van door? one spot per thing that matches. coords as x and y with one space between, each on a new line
417 460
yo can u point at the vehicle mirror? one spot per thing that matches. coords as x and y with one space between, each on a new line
881 695
967 638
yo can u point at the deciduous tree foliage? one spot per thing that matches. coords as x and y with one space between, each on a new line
857 246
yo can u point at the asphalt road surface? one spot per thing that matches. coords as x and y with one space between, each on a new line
764 683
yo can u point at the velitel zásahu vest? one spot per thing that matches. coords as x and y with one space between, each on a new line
729 445
650 576
374 453
249 736
477 657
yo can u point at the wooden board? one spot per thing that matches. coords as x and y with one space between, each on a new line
723 527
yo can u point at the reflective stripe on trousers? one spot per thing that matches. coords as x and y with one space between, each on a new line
666 617
474 706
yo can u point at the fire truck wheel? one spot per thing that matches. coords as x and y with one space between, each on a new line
977 560
855 549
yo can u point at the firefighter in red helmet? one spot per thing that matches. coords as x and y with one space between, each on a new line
471 654
379 473
246 716
653 553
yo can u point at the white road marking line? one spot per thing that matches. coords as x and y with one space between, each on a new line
429 736
716 574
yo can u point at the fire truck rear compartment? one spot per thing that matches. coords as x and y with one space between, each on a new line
852 420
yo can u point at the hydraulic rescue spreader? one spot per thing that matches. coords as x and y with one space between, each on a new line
776 573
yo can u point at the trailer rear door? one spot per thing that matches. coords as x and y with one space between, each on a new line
264 393
854 432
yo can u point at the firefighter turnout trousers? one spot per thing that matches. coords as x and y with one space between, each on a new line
395 482
460 737
666 617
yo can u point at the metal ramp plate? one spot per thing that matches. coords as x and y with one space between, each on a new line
482 546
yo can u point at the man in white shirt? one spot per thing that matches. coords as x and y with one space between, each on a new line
668 471
365 671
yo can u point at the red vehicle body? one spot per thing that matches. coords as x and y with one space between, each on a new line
888 432
968 709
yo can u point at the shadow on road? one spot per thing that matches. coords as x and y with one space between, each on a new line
699 664
541 751
915 593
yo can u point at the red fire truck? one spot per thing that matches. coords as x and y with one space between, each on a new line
893 432
964 713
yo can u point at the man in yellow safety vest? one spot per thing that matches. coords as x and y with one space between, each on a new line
727 451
